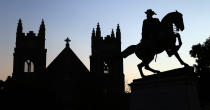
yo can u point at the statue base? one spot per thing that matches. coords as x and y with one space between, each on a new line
170 90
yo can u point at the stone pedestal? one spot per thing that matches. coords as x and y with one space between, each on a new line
171 90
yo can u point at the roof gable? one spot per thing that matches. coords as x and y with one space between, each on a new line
67 62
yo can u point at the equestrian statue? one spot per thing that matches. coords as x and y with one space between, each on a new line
156 37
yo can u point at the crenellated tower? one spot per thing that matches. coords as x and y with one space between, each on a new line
29 53
107 65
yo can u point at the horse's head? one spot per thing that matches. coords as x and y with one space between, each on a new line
178 21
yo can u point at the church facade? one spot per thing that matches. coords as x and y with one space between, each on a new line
66 84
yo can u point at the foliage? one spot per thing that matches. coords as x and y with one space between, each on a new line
202 53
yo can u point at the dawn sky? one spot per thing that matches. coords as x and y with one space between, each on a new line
76 19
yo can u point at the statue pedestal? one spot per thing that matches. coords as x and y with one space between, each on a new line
171 90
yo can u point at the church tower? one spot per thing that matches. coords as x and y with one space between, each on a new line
106 64
29 53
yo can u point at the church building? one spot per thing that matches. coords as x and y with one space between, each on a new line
65 84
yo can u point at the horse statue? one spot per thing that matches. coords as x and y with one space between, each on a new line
165 40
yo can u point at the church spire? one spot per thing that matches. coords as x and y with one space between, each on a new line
118 33
93 33
42 29
98 31
112 34
19 27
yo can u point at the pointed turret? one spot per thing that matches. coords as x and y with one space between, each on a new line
93 33
42 30
29 53
118 33
19 28
93 40
98 31
112 34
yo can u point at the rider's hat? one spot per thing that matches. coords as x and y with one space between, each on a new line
149 11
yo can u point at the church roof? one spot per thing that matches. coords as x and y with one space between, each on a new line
67 62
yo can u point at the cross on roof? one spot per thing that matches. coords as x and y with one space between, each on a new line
67 41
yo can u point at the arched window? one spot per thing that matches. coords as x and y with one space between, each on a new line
28 66
106 68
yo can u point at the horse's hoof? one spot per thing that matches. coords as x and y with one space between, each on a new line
142 76
158 72
186 66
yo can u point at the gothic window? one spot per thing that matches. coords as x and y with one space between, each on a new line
106 68
28 66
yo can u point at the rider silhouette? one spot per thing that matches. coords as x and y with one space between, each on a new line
150 26
156 38
150 29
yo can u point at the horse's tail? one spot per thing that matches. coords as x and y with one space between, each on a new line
128 51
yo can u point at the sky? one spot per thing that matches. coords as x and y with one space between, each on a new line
76 19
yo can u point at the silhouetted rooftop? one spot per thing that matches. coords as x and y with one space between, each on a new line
67 62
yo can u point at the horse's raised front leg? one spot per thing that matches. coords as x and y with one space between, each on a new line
180 60
150 69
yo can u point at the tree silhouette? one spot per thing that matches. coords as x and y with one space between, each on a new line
202 53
